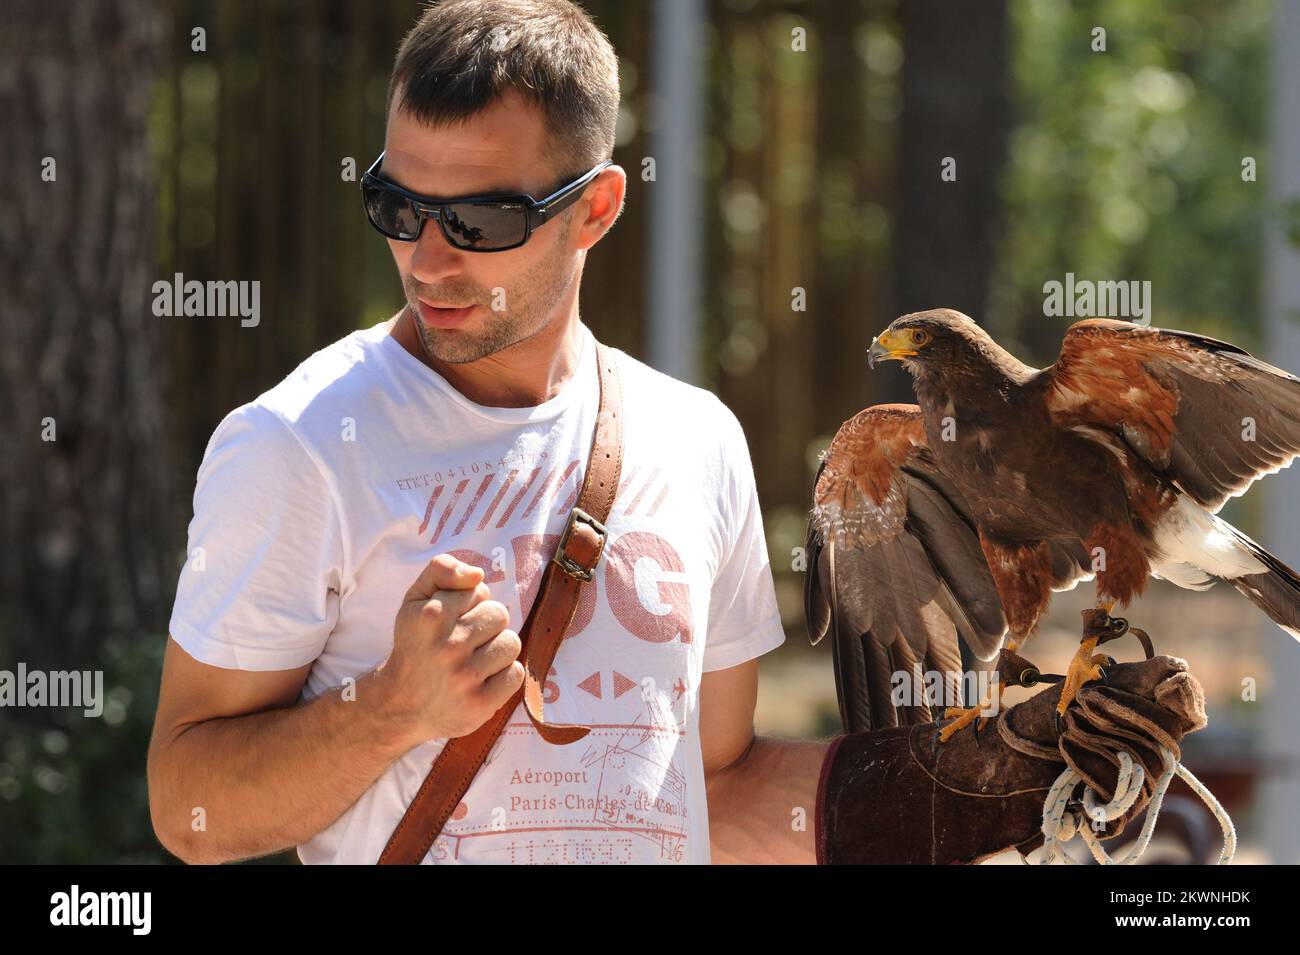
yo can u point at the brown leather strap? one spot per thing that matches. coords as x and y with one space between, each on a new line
576 556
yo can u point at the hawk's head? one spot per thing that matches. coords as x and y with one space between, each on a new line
930 341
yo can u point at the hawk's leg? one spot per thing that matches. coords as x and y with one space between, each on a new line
1086 665
971 715
965 716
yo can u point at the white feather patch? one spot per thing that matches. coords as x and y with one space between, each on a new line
1184 575
1190 535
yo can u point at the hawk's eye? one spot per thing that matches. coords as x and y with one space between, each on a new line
920 337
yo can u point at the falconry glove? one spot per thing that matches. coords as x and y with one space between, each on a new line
897 795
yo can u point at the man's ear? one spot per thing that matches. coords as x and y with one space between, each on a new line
604 205
622 193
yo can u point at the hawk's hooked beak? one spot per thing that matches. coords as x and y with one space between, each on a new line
887 345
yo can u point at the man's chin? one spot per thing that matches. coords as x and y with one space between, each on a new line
454 348
460 346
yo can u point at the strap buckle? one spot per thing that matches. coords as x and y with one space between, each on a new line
578 569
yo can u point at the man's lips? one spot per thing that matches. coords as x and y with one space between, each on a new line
444 316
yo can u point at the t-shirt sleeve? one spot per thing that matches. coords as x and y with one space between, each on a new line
744 621
260 585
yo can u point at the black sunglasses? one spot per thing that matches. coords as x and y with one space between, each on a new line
474 223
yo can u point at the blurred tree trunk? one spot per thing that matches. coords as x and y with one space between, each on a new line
82 516
955 105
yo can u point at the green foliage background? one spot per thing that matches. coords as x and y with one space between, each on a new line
1127 163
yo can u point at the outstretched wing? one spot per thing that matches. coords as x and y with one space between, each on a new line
1204 413
895 568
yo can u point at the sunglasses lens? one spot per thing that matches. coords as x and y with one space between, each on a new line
484 227
390 213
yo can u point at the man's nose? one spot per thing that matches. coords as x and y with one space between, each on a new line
434 258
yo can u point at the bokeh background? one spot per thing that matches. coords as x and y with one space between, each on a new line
796 208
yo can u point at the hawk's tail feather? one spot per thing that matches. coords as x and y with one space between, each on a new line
1276 591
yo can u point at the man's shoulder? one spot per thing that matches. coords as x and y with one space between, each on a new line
312 401
328 380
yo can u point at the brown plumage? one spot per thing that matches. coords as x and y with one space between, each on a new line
961 515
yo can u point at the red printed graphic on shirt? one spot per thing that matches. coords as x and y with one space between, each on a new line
492 493
648 593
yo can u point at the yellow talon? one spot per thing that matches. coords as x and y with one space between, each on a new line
965 716
1084 667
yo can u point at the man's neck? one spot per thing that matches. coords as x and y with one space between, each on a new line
524 375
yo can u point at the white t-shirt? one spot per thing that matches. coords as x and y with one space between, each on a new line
317 505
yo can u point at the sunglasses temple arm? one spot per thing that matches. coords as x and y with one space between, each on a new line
551 207
566 197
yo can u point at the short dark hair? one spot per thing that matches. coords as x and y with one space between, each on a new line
461 55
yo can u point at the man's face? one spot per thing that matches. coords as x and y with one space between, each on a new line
514 294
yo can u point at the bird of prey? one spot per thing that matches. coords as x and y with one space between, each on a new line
960 515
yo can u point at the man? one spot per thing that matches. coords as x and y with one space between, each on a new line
369 534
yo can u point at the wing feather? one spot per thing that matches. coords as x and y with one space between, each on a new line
896 574
1204 413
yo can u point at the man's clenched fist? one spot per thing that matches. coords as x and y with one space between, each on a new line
454 660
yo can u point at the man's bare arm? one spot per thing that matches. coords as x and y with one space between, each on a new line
762 809
762 791
258 773
269 773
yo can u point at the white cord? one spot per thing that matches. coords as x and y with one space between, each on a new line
1061 824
